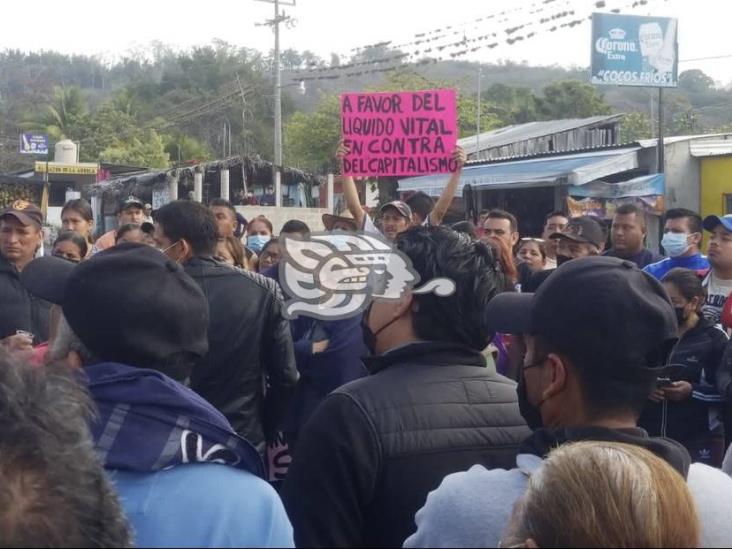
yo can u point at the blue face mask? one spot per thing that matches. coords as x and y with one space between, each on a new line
675 244
256 242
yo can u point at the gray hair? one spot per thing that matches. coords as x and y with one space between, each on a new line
53 488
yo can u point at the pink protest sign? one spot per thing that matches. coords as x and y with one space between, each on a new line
399 134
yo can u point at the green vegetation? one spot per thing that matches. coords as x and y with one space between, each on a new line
161 106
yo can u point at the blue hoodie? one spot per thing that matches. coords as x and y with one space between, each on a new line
696 262
184 477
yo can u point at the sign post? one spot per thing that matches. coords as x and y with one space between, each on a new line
629 50
31 143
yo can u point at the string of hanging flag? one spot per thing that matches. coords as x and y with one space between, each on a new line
434 53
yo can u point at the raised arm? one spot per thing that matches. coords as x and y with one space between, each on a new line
350 193
443 204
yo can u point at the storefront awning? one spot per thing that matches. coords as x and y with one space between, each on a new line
576 169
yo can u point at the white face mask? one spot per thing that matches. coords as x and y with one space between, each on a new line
676 244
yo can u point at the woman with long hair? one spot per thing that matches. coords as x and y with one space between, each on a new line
686 405
77 216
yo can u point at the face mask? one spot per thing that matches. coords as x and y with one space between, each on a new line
675 244
681 316
370 337
256 242
530 413
562 259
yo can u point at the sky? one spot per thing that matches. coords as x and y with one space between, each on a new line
111 28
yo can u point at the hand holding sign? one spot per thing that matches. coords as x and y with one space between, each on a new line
459 157
399 134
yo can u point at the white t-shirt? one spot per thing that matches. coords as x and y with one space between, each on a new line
718 290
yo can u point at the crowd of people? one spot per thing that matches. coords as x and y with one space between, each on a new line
574 390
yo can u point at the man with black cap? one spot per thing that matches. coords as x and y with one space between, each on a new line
592 359
718 282
131 211
184 476
582 237
24 318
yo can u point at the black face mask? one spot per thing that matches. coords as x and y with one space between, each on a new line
562 259
681 317
530 413
369 337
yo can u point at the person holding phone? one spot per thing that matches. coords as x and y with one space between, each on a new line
24 319
686 404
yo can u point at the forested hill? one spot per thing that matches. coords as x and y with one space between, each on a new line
161 106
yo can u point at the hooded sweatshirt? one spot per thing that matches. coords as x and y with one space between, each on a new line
184 477
473 509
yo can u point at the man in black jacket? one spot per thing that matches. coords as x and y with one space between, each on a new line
249 373
21 236
375 448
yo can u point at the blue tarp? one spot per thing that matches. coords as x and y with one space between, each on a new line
570 169
648 185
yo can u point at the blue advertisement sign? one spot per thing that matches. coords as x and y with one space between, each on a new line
630 50
33 143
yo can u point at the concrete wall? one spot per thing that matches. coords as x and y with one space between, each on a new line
279 216
683 177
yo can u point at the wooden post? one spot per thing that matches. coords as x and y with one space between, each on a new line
278 188
225 184
331 188
198 186
173 185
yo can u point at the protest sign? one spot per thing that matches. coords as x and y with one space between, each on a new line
399 134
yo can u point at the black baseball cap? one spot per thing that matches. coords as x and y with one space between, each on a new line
128 304
585 229
46 277
129 202
401 207
25 212
602 310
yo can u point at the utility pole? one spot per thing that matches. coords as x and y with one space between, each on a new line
661 151
477 110
245 150
275 24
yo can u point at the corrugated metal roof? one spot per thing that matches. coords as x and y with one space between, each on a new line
531 130
571 169
717 147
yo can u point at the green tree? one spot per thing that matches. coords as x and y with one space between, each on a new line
695 81
467 108
147 150
636 126
104 129
311 139
511 104
571 99
186 148
63 117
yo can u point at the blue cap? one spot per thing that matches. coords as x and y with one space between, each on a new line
714 221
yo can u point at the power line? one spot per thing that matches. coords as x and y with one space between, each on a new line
550 23
705 58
